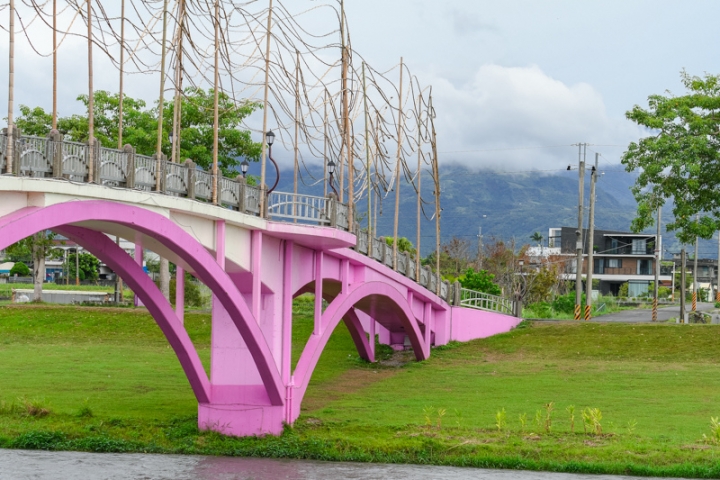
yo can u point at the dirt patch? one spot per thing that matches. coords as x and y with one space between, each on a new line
398 359
351 381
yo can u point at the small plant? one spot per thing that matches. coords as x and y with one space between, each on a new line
538 419
714 437
440 414
548 416
571 410
631 426
591 420
458 417
428 413
500 420
523 421
85 411
34 408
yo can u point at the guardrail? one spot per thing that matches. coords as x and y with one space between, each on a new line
485 301
54 157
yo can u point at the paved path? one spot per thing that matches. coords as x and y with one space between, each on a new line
645 315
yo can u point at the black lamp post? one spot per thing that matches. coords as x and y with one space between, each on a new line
331 172
270 139
244 167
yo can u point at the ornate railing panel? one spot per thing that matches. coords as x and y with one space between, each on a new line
252 199
145 172
485 301
203 185
35 155
402 262
362 242
410 272
229 192
176 178
304 208
342 216
75 161
113 167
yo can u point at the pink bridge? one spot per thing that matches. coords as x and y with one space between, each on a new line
254 268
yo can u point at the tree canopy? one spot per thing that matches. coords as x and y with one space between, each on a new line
679 160
140 126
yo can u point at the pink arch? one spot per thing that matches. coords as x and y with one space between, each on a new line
140 283
29 221
339 308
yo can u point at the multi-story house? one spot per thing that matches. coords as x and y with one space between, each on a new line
618 257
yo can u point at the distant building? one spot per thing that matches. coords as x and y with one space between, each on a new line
618 257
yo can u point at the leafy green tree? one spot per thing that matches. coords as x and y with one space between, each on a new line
481 281
404 245
89 266
537 237
679 159
36 249
140 126
20 269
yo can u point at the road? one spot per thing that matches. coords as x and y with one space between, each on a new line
645 315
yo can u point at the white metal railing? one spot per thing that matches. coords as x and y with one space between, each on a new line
304 208
485 301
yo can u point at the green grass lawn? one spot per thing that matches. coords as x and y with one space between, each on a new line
111 383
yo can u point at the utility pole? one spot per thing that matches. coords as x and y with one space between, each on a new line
695 282
682 285
717 270
657 266
579 240
11 90
591 239
480 247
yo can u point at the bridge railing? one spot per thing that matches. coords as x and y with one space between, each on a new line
485 301
54 157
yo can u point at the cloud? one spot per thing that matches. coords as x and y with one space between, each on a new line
465 22
502 111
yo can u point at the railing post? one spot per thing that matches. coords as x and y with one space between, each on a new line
332 209
130 176
242 183
190 178
55 140
94 157
457 291
161 171
15 138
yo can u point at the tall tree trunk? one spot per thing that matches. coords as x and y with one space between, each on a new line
38 254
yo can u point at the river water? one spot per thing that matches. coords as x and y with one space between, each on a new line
23 464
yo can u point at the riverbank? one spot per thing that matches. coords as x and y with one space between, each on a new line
104 379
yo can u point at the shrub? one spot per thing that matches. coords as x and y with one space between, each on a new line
623 292
481 281
20 269
193 297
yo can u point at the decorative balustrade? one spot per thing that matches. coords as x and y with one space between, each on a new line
54 157
303 208
485 301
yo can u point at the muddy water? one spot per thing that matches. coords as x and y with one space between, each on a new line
21 464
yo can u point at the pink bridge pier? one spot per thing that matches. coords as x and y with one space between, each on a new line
254 267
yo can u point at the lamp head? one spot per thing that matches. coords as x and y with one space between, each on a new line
270 138
171 137
244 167
331 168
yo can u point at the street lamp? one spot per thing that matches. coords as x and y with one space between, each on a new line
331 172
270 139
244 167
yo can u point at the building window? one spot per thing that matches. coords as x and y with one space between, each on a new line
614 245
638 289
599 265
643 267
638 246
614 263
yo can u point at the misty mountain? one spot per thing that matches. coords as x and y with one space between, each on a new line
506 206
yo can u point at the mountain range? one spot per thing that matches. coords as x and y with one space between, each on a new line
509 205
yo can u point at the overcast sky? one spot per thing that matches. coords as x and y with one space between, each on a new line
508 77
528 73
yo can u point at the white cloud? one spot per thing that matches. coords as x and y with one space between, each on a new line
506 108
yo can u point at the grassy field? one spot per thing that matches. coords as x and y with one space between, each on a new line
104 379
